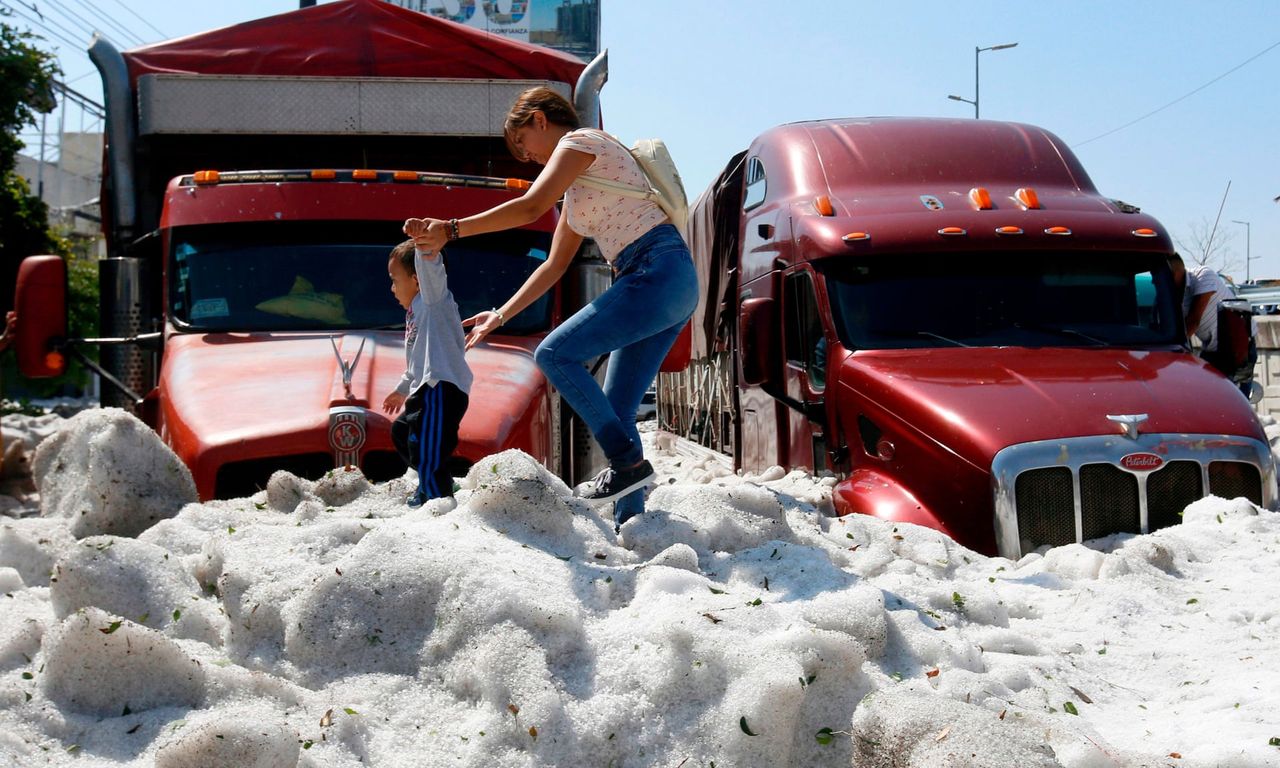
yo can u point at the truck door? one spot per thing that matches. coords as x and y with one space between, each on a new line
804 369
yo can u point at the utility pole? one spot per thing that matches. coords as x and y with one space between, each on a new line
1247 257
976 79
40 162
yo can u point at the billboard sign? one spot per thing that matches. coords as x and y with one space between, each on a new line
572 26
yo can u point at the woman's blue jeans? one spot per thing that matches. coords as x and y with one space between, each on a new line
654 292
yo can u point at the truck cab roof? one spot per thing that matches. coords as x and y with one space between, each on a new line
882 185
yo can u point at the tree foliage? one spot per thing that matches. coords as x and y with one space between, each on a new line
27 76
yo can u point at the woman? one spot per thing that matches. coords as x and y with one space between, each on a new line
655 288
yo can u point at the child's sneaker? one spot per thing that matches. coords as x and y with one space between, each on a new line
416 500
615 483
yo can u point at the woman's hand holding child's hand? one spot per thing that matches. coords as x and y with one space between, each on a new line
427 234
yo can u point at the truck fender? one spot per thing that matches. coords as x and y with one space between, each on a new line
870 492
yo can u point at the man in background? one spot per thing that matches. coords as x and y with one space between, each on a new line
1203 294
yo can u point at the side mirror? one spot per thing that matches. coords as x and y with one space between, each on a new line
1235 331
757 341
41 303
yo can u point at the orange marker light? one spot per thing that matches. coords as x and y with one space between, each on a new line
952 231
980 198
1057 231
520 184
55 361
1008 230
324 174
1144 232
823 204
364 174
206 177
854 237
1027 196
405 176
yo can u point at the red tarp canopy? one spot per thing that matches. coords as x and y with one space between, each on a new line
354 38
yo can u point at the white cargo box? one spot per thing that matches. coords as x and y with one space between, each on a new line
231 104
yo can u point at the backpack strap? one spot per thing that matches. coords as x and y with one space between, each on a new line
617 187
626 190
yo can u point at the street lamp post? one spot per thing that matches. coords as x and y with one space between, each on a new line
976 80
1247 257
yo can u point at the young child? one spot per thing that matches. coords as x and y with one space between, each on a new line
436 380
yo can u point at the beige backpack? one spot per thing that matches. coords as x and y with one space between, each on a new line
665 187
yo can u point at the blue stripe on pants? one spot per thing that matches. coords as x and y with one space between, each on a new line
429 442
437 425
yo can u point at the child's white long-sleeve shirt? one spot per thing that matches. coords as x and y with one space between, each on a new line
435 343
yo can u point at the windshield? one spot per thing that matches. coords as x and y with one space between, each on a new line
1009 299
331 275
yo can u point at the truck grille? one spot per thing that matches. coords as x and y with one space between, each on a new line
1230 479
1170 490
1061 492
1108 501
1048 490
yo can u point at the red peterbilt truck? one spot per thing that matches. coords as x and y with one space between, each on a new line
255 180
948 316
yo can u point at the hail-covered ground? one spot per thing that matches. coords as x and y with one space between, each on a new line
738 623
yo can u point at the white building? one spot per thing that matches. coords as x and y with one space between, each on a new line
69 185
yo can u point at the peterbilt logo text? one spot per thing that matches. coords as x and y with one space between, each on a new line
1141 462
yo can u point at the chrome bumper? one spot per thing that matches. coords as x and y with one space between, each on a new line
1073 454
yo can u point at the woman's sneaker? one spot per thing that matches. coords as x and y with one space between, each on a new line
615 483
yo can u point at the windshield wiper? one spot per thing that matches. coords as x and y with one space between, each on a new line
1063 331
941 338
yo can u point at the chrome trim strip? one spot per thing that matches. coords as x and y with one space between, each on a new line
1075 452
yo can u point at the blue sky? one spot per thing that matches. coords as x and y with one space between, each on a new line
1165 102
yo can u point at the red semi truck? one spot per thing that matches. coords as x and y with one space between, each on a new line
948 316
255 180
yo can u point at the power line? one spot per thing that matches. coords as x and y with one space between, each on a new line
69 17
128 34
1268 49
162 35
82 76
45 21
39 23
124 30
